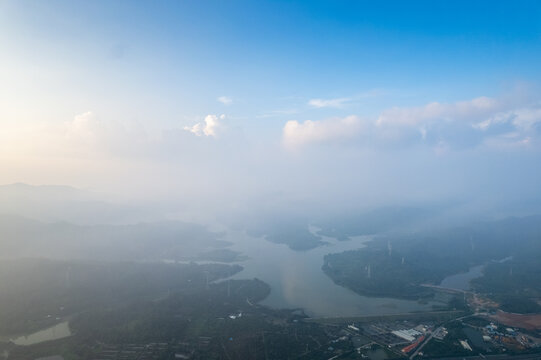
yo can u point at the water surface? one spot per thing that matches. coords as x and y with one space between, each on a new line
462 281
297 280
55 332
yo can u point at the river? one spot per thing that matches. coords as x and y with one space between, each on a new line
55 332
462 281
297 280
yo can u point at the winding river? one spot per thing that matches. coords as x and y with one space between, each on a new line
297 280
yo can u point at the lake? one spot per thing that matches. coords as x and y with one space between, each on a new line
55 332
297 281
461 281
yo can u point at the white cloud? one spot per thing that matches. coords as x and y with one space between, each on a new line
526 118
460 124
465 123
276 113
523 119
225 100
498 118
341 102
332 103
84 127
296 134
209 126
462 110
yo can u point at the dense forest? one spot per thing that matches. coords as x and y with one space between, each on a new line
164 308
397 266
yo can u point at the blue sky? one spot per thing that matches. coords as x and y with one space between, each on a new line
274 55
115 85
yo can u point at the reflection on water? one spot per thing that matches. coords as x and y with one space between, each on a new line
462 281
56 332
297 280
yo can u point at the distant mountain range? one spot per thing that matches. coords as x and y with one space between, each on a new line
53 203
63 222
26 238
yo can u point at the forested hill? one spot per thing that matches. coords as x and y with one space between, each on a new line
396 266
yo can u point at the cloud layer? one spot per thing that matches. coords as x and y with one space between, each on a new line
482 120
491 146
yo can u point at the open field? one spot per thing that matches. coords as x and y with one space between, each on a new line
429 315
528 321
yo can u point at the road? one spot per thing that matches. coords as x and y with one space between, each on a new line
420 347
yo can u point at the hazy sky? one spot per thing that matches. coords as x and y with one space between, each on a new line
314 102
